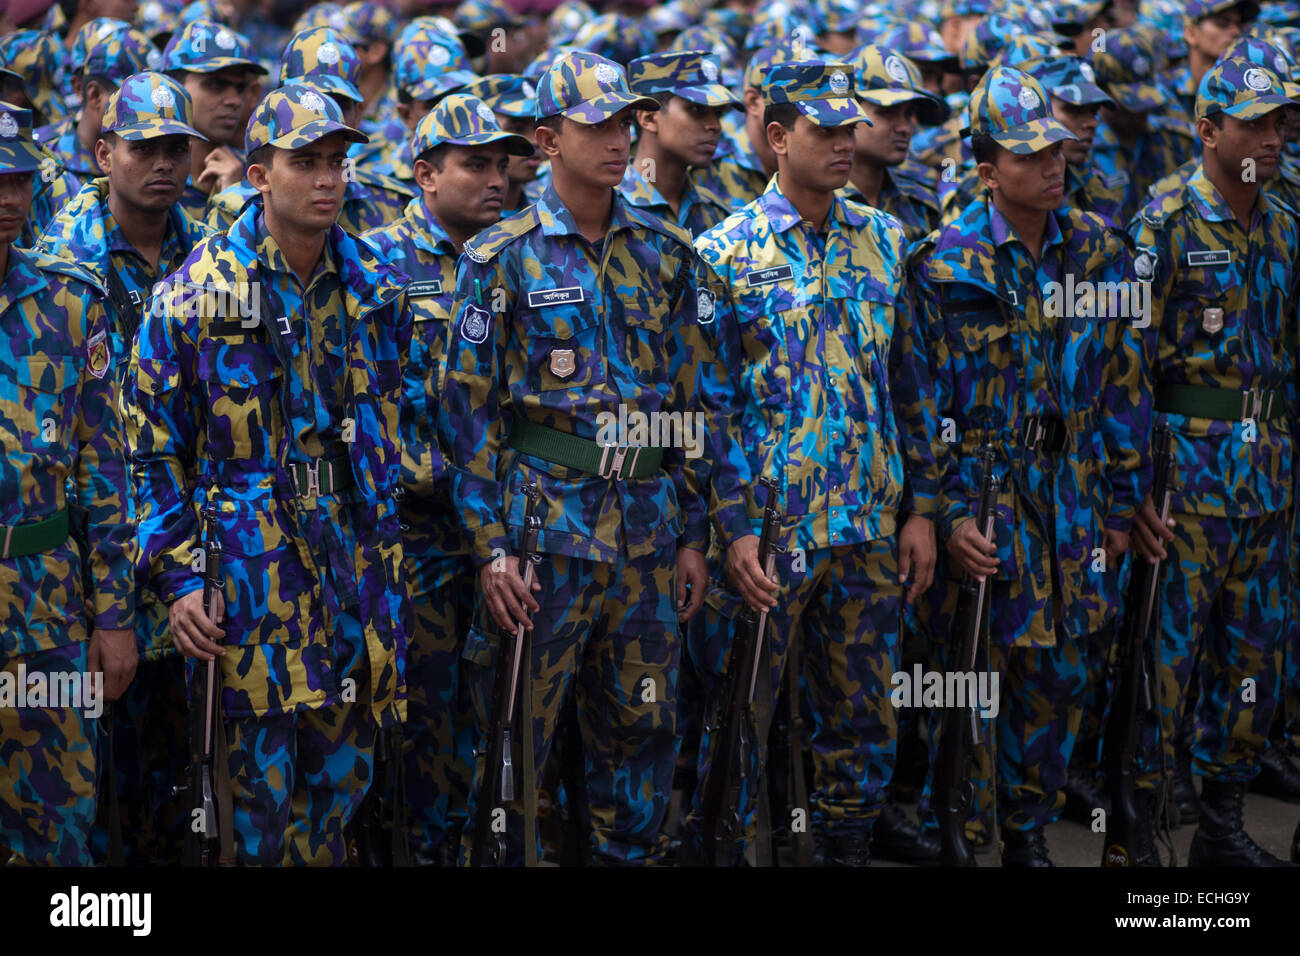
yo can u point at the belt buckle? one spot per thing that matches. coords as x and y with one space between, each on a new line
615 457
1252 401
1033 432
313 480
9 534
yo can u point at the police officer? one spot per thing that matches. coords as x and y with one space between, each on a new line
268 388
1209 27
67 548
461 165
681 135
811 309
215 65
1017 369
889 86
512 99
570 315
1219 254
127 230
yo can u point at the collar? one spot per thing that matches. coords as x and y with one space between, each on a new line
272 256
1210 204
783 216
429 234
1003 232
556 220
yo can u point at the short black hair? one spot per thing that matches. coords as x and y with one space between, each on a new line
553 123
787 114
262 156
984 148
1216 118
435 156
105 83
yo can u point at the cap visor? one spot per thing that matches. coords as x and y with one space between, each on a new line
442 85
1082 94
1260 106
518 108
222 63
834 112
153 130
317 129
515 144
331 85
930 110
1033 136
715 94
21 156
1138 97
609 104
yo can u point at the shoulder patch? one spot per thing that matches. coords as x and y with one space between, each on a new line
488 244
65 267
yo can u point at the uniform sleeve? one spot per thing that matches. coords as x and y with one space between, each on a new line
103 508
170 419
473 417
912 392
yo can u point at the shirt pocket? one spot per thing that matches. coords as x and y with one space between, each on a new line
1201 307
565 346
979 346
44 401
266 584
764 317
243 383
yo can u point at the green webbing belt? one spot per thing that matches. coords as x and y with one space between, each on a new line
561 448
34 537
1226 404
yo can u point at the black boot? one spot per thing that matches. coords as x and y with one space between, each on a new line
1083 797
1220 840
1278 775
1145 852
1025 848
1189 805
842 847
896 838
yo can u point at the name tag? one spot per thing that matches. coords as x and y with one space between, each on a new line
539 298
1210 257
418 290
1112 180
767 276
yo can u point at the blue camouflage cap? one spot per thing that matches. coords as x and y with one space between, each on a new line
692 75
839 16
33 55
616 37
483 15
1013 109
783 22
586 88
510 94
821 90
149 105
324 15
1200 9
888 79
155 18
1070 79
920 43
989 37
962 8
669 18
295 116
462 120
205 46
429 61
786 51
1267 53
113 49
1128 68
372 22
322 57
18 150
1030 48
1241 90
564 22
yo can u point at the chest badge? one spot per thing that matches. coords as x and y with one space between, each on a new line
562 363
1212 320
97 354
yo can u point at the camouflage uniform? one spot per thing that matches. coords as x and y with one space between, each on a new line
287 424
607 618
374 23
511 96
438 725
1224 299
824 323
67 511
1034 385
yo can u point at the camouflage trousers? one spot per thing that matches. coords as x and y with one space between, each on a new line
148 725
439 731
298 779
47 768
844 606
1224 606
1039 708
610 630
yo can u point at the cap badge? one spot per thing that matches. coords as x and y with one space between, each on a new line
310 101
1141 65
839 83
484 113
530 91
894 67
710 70
606 74
1028 99
225 39
328 54
163 98
1279 64
439 56
1257 80
8 126
1088 74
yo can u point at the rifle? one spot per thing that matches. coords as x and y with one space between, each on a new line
499 771
733 728
203 845
1133 696
953 791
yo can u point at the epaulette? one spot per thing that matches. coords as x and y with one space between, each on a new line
916 190
1164 204
65 267
657 223
382 181
711 195
485 246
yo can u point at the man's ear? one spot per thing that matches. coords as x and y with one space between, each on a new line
988 174
548 141
778 137
104 156
1208 132
259 177
648 120
753 101
426 176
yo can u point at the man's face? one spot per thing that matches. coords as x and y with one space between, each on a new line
931 77
1245 144
687 130
148 174
840 44
1036 180
412 112
1081 120
304 187
218 102
1214 34
15 204
887 142
466 195
817 158
1121 14
522 169
596 154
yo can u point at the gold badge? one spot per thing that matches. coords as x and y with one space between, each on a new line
1212 320
562 365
